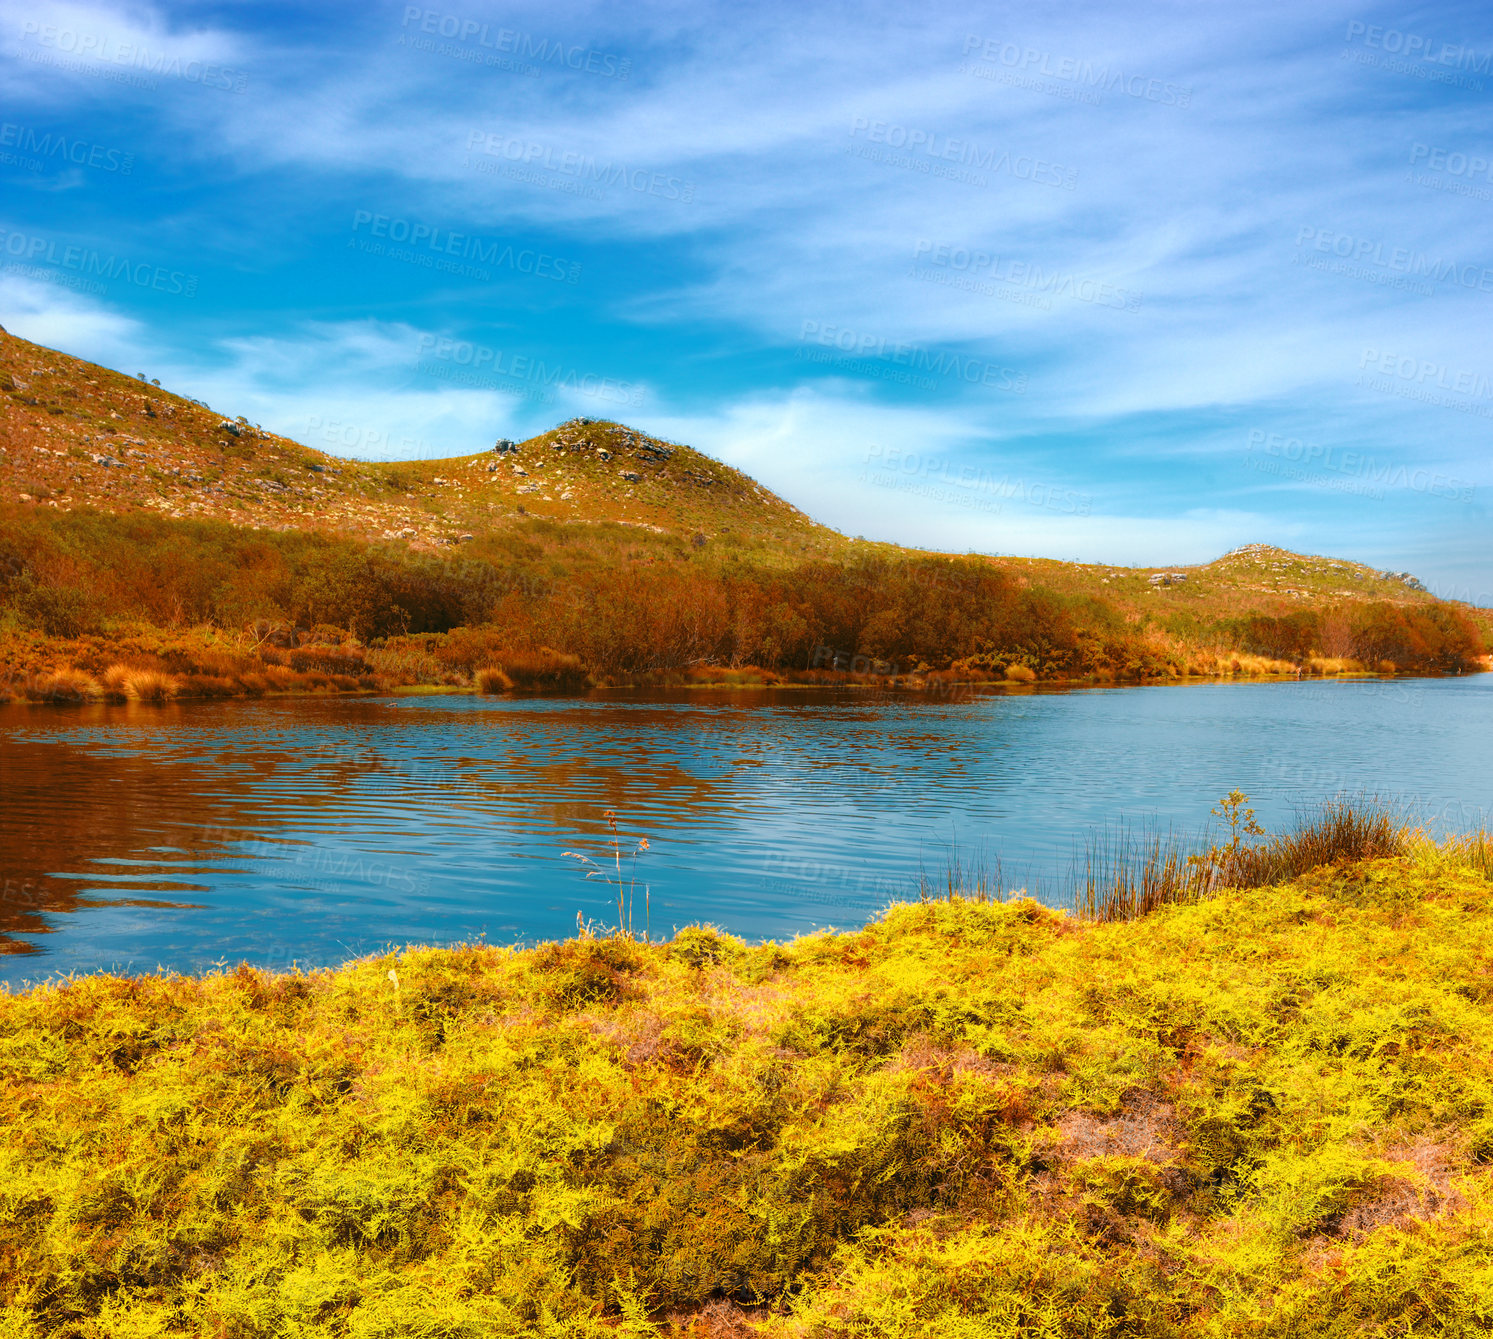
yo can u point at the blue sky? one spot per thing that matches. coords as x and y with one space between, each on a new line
1133 283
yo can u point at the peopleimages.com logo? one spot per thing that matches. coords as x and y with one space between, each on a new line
1426 382
897 468
1348 252
1452 162
916 357
1414 46
991 268
1424 372
356 437
426 238
1030 63
1359 465
32 250
928 148
482 360
25 140
583 168
510 41
106 50
1451 171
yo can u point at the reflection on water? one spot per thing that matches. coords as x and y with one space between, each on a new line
310 831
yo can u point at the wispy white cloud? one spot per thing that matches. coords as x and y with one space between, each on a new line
59 318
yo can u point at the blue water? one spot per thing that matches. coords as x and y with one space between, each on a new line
312 831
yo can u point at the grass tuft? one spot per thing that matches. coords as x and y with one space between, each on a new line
120 683
492 679
65 686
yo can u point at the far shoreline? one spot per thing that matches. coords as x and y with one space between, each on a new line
939 686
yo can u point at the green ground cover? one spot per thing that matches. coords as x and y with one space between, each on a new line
1269 1111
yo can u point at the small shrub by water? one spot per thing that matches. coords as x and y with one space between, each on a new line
544 670
1120 874
492 679
1344 830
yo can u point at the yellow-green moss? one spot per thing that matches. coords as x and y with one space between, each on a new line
1268 1113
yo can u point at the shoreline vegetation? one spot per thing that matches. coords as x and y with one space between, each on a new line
151 665
100 607
1242 1089
227 677
151 548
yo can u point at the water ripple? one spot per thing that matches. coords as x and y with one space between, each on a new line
312 830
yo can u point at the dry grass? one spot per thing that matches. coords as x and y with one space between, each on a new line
545 670
1123 875
121 683
1145 1128
1474 849
149 665
720 1319
1325 666
1427 1188
1343 831
64 686
492 679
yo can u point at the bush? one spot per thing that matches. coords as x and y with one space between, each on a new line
545 670
1427 636
623 605
57 611
123 684
491 679
1294 637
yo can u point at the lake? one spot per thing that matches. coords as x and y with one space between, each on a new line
310 831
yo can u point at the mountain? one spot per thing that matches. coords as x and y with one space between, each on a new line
141 530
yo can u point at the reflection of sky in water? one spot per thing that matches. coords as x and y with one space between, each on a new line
314 830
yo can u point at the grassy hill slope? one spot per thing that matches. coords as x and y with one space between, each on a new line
74 434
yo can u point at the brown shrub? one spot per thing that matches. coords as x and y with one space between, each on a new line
206 685
1397 1201
328 660
491 679
65 686
111 682
545 670
121 683
718 1319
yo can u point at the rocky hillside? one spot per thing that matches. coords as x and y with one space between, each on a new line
74 434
